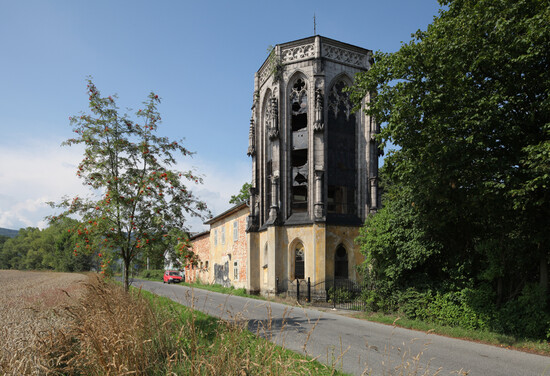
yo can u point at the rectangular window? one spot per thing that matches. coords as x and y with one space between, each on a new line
223 235
235 231
236 271
215 237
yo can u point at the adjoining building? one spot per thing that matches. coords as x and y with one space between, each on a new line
314 174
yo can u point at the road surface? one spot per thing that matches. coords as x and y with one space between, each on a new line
357 346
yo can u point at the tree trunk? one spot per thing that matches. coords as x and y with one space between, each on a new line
126 274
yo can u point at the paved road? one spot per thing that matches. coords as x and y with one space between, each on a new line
357 346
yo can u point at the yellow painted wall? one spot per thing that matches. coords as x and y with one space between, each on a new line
345 235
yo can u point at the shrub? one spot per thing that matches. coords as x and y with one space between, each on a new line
527 315
152 274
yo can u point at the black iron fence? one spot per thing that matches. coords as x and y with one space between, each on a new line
335 293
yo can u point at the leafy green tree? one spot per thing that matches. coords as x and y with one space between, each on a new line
466 102
242 196
137 195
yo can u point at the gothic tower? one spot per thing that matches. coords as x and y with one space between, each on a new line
314 164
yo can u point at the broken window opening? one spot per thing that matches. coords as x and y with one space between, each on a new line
299 199
299 122
300 179
299 158
299 151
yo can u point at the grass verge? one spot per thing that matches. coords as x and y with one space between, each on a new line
113 332
491 338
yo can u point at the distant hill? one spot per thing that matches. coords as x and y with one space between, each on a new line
9 233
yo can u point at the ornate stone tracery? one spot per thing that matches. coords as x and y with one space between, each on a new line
339 100
294 54
345 56
298 97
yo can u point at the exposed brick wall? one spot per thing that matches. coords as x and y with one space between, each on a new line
239 249
217 253
201 247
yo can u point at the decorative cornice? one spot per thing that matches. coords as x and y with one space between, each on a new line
298 53
345 56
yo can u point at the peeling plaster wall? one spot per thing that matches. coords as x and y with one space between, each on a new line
201 247
222 254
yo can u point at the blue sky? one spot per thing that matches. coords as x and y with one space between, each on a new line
198 56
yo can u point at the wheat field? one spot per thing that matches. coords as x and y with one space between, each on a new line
30 305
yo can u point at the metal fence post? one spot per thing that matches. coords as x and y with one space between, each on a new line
276 285
297 290
334 293
308 290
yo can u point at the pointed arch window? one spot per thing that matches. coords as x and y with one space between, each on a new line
342 165
299 262
341 263
299 152
267 111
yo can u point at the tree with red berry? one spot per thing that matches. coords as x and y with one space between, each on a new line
137 195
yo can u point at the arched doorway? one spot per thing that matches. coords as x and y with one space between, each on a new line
341 263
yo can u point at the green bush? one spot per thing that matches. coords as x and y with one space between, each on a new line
152 274
340 295
526 316
413 303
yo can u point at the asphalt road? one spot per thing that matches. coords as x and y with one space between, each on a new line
357 346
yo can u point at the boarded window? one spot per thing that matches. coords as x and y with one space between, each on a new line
223 235
235 231
299 262
215 237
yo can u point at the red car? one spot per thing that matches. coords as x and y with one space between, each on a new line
171 276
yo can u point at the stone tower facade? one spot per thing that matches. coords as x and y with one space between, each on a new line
314 165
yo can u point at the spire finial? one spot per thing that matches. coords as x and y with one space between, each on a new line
314 25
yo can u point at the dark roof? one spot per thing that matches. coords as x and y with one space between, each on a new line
199 234
226 213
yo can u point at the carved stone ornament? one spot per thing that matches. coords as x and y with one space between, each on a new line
319 124
273 121
345 56
251 139
339 100
298 97
298 53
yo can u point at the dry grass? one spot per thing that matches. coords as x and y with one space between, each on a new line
109 332
29 306
69 324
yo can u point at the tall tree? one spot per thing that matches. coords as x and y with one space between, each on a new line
137 194
466 102
242 196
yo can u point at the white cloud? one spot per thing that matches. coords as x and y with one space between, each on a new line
32 174
36 172
221 181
